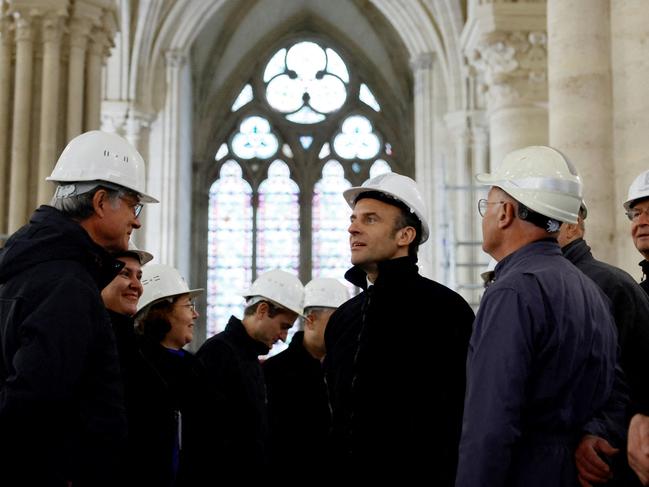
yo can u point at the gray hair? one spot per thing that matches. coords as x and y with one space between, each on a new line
78 206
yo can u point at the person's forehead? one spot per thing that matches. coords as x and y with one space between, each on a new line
641 204
370 205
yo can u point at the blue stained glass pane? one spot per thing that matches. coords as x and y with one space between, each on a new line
278 221
331 254
229 246
356 139
255 139
306 141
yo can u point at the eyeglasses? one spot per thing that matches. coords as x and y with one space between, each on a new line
634 213
483 204
136 207
191 305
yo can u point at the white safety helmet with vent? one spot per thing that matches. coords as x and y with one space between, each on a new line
280 287
324 292
638 190
399 187
542 179
160 282
100 156
142 255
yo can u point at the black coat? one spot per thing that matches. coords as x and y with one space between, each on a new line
395 369
298 408
645 272
61 400
630 308
227 431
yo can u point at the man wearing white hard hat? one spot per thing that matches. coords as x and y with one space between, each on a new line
229 436
630 307
298 407
542 357
395 362
165 387
61 402
636 207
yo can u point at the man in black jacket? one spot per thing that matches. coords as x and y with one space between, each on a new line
61 403
630 308
395 363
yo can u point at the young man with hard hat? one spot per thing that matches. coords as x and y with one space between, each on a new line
395 363
61 403
298 407
542 356
228 440
166 384
636 207
630 307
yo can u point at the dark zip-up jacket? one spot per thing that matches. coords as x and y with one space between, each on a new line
61 400
395 370
645 272
227 432
298 408
541 365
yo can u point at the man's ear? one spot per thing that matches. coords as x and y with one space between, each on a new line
262 309
308 321
506 214
406 236
99 202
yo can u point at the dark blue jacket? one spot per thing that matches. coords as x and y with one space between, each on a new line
61 399
541 364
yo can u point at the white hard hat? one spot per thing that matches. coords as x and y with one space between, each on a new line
100 156
638 190
325 292
542 179
142 255
162 281
280 287
399 187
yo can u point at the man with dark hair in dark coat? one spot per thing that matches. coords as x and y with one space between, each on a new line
630 307
395 362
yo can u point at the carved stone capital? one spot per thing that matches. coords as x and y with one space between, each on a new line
52 28
175 58
423 61
79 31
24 29
512 68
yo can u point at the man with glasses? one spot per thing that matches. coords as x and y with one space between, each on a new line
637 208
542 355
62 416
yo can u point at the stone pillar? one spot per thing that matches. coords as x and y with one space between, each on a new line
47 154
96 48
581 115
629 31
423 68
6 73
20 141
506 45
79 31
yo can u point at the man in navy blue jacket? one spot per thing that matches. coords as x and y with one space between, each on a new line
542 355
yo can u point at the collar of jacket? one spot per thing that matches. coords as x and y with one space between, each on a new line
389 270
545 246
576 251
249 345
644 263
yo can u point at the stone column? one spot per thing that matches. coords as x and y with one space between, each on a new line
629 31
512 68
79 30
505 43
6 73
581 115
20 141
423 68
47 154
98 41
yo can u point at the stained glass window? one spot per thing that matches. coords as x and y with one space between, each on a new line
379 167
357 139
305 82
255 139
229 260
331 254
367 97
278 221
245 97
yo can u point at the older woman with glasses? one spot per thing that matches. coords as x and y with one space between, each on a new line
165 319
